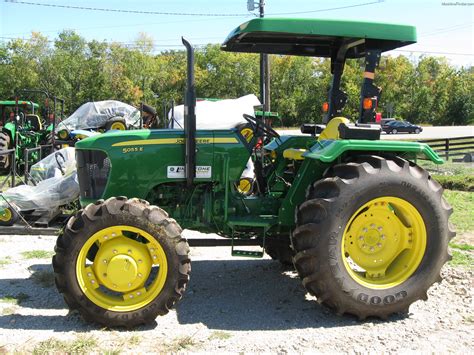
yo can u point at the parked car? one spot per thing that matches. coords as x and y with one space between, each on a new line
394 127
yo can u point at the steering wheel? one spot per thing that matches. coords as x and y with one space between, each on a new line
56 156
267 129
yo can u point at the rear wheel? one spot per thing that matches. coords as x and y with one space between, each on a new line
372 237
280 249
4 145
121 262
394 131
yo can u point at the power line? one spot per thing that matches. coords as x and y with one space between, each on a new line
429 52
324 10
142 12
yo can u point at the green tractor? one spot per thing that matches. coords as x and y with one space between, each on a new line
23 127
365 227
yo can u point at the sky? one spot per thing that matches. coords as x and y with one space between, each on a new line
444 27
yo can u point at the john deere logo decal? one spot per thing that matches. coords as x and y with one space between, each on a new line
247 133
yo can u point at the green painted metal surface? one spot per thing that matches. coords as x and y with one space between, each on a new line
316 37
328 151
20 102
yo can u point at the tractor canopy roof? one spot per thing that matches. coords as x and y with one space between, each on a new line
316 38
20 103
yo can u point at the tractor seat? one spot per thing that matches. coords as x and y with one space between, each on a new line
294 154
34 121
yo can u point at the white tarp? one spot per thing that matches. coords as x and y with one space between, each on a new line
222 114
96 114
56 180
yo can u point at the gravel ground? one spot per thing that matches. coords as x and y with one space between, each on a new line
231 305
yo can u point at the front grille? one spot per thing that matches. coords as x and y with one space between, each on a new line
93 169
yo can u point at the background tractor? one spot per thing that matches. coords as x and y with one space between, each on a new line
27 126
365 226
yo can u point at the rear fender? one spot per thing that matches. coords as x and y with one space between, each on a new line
327 151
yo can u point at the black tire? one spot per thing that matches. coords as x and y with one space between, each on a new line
280 249
322 219
8 216
120 211
5 143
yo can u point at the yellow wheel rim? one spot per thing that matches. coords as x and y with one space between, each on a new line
128 272
118 125
5 215
384 242
62 134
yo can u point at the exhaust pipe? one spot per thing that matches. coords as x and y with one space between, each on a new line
190 116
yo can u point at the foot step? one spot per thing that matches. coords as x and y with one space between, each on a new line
248 253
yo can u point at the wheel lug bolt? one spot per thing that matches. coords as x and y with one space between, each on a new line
380 229
154 256
106 237
364 230
379 245
372 225
129 284
115 251
129 251
140 275
105 261
382 236
361 238
114 285
152 250
371 248
139 293
92 282
140 260
89 274
105 275
131 296
113 234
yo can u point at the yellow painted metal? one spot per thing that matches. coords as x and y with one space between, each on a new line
120 278
63 134
332 128
294 154
244 186
384 242
5 215
175 141
118 126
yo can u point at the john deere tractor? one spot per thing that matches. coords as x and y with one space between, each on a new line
365 227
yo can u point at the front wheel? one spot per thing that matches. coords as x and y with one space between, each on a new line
121 262
372 237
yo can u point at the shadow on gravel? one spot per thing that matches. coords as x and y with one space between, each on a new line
252 295
37 291
222 294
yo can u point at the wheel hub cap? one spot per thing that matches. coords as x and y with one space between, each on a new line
384 242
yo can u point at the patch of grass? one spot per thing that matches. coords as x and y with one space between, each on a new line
81 345
37 254
134 340
460 182
180 344
463 205
220 335
462 259
7 260
465 247
43 278
8 311
18 299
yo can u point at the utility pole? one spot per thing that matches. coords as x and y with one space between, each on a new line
264 62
